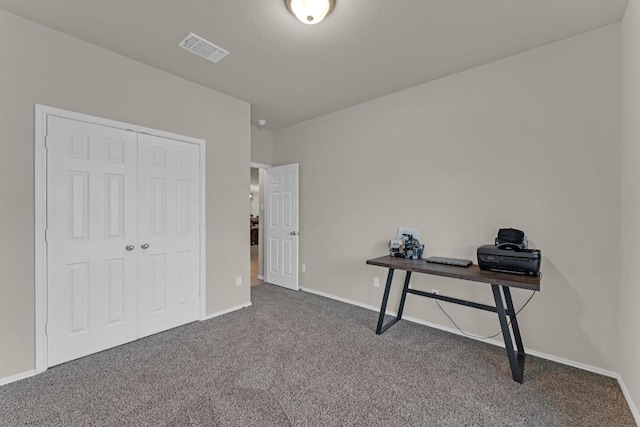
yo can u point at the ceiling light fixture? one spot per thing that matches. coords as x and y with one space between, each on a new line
310 11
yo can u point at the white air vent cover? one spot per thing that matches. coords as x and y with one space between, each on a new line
204 48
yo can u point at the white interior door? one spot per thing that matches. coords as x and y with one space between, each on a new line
91 219
169 235
281 211
123 236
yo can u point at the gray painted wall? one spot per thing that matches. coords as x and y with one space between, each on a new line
531 141
41 66
261 145
630 282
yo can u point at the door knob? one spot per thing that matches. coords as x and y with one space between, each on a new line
294 233
145 246
130 247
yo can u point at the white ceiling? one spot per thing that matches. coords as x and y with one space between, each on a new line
291 72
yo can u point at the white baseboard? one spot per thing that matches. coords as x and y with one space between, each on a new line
573 363
627 395
457 332
500 343
561 360
17 377
348 301
260 276
229 310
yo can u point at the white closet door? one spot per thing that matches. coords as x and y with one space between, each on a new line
91 218
168 232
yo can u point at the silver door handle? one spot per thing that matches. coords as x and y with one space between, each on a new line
145 246
130 247
294 233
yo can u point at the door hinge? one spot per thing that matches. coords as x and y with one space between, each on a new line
46 235
46 142
46 329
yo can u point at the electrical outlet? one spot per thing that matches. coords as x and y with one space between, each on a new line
376 282
239 281
435 291
304 268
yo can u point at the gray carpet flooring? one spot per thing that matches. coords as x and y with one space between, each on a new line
298 359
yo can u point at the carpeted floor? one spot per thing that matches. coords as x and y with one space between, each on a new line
298 359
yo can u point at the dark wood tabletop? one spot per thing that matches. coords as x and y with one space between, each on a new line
472 273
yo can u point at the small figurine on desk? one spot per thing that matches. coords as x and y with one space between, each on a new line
406 245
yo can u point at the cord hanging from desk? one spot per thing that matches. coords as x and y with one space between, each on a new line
501 283
477 336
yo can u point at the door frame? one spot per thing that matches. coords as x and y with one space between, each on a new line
40 168
262 248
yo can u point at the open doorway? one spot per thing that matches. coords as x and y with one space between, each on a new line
256 215
275 215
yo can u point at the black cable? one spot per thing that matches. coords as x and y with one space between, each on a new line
479 337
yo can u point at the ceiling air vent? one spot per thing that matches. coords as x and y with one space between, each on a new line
202 47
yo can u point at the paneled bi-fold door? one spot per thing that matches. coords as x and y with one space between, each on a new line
168 232
122 236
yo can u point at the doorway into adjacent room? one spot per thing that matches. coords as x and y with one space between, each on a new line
273 218
256 209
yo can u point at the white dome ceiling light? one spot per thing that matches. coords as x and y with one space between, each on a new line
310 11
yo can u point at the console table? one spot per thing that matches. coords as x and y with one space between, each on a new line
500 284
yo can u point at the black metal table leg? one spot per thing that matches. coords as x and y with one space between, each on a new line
516 361
407 278
383 308
514 321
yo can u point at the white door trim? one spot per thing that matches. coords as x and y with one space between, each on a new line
40 167
261 229
259 165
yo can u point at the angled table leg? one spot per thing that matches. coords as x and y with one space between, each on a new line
514 321
516 361
405 288
383 308
385 299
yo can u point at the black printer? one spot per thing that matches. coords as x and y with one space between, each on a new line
524 261
510 254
